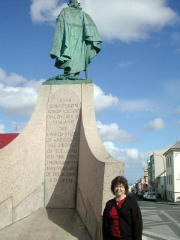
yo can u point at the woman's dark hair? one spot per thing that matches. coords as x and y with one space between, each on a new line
119 180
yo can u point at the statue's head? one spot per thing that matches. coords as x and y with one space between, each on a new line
74 3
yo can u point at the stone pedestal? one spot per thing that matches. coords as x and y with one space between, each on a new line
58 161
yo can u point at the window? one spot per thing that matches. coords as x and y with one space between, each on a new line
170 161
169 180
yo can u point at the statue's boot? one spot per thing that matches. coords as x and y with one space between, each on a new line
77 75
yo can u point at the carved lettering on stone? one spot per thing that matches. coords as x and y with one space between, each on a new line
62 149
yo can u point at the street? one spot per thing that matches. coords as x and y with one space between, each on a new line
161 221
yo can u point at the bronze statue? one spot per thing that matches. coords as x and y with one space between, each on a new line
76 40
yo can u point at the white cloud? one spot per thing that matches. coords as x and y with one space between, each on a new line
17 101
12 79
2 128
139 17
125 64
103 101
135 160
136 105
113 133
18 95
45 10
156 124
130 156
123 20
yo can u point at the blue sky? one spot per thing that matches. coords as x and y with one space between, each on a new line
136 75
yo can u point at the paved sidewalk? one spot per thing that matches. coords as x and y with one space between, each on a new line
168 203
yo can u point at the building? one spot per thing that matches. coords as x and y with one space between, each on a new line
146 180
172 156
151 178
157 173
139 185
6 138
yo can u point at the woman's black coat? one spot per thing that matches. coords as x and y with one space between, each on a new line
130 219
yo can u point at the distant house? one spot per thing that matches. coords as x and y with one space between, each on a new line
157 172
172 156
6 138
146 180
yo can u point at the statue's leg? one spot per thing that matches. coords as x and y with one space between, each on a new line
77 74
66 71
66 74
86 72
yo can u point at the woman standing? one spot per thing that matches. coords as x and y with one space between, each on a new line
122 216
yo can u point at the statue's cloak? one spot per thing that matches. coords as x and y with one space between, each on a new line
76 40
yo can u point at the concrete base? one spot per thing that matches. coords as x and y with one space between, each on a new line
54 224
58 161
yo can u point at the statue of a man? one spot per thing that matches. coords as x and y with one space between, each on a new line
76 40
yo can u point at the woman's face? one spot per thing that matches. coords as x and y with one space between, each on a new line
119 190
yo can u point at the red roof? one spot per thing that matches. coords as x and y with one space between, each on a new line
6 138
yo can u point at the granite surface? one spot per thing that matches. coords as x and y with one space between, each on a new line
57 162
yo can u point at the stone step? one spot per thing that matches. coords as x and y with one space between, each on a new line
47 224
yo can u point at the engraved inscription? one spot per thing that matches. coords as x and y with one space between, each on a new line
62 149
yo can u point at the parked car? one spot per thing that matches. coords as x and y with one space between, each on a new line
141 193
151 196
145 195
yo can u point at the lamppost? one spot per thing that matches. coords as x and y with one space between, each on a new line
158 155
